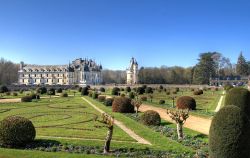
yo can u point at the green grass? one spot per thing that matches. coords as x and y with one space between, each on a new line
62 117
205 103
10 153
159 142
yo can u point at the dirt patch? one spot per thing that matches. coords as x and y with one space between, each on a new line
15 100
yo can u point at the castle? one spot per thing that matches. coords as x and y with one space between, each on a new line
132 72
79 72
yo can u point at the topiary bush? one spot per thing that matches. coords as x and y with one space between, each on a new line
128 89
239 97
59 90
229 134
122 105
51 91
198 92
85 91
3 89
27 98
150 118
16 131
115 91
35 96
108 101
149 90
64 94
161 102
101 98
7 93
186 102
41 90
80 89
140 90
102 89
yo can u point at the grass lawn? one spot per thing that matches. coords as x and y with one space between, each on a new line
72 121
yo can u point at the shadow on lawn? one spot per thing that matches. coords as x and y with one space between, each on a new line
42 143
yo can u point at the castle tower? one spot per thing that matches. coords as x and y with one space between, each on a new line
132 72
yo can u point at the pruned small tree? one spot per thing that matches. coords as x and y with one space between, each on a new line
180 117
136 104
109 121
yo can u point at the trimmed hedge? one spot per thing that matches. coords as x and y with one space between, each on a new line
85 91
51 91
41 90
128 89
94 95
3 89
115 91
140 90
161 102
150 118
27 98
239 97
108 101
64 94
122 105
149 90
102 89
229 134
227 87
59 90
186 102
101 98
198 92
16 131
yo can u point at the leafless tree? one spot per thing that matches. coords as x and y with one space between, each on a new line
136 104
109 121
180 117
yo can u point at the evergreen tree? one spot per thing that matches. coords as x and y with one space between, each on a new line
205 69
242 67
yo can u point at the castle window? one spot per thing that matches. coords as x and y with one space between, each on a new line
29 75
35 80
57 80
35 75
58 75
47 75
41 75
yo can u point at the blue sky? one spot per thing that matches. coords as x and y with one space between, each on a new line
156 32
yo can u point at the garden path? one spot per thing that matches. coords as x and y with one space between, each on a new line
130 132
195 123
220 102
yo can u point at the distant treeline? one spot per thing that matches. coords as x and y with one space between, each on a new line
8 72
209 65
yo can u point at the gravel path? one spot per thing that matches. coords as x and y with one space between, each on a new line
130 132
220 102
195 123
15 100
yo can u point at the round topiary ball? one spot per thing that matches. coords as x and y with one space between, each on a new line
229 134
186 102
239 97
150 118
122 105
115 91
16 131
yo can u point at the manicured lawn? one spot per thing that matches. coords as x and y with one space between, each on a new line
62 117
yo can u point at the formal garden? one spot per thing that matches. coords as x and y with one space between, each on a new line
109 122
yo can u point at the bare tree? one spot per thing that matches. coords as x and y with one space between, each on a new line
136 104
151 97
109 121
180 117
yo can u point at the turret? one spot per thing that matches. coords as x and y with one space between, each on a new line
21 65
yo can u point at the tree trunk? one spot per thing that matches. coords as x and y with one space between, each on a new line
179 131
108 140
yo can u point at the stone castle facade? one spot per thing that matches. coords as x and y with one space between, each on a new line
132 72
78 72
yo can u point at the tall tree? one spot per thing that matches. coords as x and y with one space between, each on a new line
8 72
241 67
205 69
